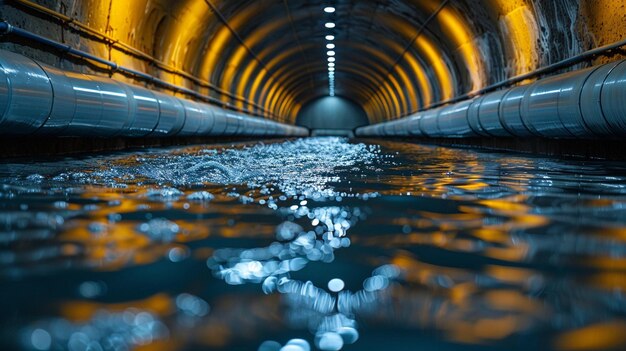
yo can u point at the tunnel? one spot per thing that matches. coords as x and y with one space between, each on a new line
298 175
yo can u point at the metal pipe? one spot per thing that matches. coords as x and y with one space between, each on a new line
584 56
39 99
81 27
587 103
7 28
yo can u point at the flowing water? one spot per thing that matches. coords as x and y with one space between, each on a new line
319 243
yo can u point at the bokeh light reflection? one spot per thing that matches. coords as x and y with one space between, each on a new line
313 244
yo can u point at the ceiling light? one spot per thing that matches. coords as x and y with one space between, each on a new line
331 64
330 53
331 59
329 9
330 46
329 25
330 37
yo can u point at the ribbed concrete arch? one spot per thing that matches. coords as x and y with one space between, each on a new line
393 57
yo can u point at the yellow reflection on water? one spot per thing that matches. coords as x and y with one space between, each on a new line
81 311
600 336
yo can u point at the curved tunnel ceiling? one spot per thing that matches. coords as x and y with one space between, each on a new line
392 57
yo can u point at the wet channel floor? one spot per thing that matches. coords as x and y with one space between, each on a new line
318 243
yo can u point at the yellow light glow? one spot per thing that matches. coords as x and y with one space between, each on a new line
251 41
435 60
459 33
521 30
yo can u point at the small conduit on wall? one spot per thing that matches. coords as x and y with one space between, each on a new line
37 99
588 103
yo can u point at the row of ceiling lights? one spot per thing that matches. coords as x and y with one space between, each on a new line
330 46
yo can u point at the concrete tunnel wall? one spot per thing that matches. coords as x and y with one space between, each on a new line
268 57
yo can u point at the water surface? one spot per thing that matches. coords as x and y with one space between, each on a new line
320 243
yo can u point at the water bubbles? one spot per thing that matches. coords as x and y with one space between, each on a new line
246 200
270 345
81 342
336 285
297 264
329 341
104 331
345 242
269 285
41 339
114 217
200 196
177 254
441 280
377 282
301 190
390 271
192 305
348 334
61 205
299 344
165 194
287 231
97 227
160 229
91 289
35 178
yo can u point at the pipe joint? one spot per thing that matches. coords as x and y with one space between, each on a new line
5 28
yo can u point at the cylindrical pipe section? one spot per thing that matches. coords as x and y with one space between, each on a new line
25 95
144 106
115 118
543 112
414 125
401 127
581 104
453 120
429 123
590 103
37 98
489 114
171 115
473 118
64 106
612 99
388 128
511 112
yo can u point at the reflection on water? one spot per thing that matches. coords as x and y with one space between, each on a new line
311 244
